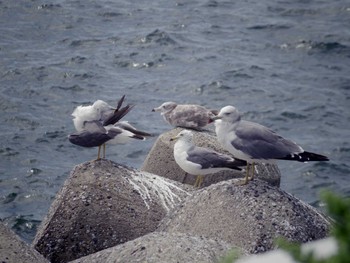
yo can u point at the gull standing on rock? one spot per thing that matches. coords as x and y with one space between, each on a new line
97 124
185 115
255 143
201 161
95 134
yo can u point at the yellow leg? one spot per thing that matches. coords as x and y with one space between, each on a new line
247 178
199 181
104 151
253 171
98 153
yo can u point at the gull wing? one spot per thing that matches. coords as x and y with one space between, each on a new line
259 142
210 159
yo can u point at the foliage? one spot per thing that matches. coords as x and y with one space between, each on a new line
231 256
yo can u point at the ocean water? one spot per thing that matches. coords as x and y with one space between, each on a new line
285 64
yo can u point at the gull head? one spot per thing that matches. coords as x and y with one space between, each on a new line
229 114
166 107
100 105
184 135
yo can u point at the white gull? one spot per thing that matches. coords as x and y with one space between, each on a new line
201 161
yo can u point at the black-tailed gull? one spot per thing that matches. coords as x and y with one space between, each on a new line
201 161
185 115
255 143
97 124
95 134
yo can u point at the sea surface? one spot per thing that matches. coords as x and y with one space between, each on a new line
284 63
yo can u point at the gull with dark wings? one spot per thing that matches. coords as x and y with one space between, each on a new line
98 124
256 143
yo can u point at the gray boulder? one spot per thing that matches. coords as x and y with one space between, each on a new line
103 204
13 249
162 247
250 217
160 160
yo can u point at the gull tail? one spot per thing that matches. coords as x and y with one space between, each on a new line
138 137
117 115
236 163
305 157
141 133
126 126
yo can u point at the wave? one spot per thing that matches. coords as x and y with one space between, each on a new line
318 46
159 37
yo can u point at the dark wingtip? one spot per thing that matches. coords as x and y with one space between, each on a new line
306 157
118 114
144 134
120 102
138 137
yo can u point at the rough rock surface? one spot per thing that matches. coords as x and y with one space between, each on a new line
162 247
160 160
250 217
103 204
12 249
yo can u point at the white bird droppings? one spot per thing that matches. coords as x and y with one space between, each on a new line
150 185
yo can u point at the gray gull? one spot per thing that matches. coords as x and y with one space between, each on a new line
255 143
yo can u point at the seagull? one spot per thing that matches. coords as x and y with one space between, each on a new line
256 143
201 161
185 115
99 111
95 134
98 124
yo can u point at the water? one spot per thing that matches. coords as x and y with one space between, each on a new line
285 64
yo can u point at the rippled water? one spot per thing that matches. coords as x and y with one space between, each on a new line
285 64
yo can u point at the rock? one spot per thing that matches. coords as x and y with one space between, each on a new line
160 160
103 204
250 217
162 247
12 249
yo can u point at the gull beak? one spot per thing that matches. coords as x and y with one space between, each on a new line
173 138
156 109
215 118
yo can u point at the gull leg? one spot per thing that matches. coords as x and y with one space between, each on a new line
104 151
199 181
196 182
246 178
98 153
201 177
253 171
